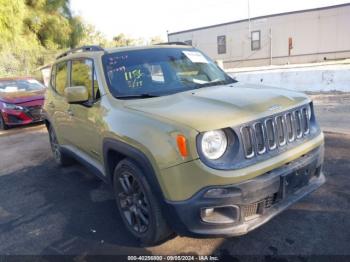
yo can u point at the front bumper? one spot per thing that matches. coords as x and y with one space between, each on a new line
22 117
256 200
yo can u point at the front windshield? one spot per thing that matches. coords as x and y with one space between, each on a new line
160 71
22 85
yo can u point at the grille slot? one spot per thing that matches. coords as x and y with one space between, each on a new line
289 127
248 143
281 130
260 138
270 133
305 120
298 124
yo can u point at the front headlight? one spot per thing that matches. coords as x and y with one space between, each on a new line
12 106
214 144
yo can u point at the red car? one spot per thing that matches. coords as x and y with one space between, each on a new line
21 101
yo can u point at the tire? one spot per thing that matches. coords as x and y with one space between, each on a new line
3 126
60 157
137 204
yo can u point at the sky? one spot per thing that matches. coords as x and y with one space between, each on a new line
149 18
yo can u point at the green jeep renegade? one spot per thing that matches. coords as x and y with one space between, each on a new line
187 149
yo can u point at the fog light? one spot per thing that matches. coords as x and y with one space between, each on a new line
221 192
208 211
220 215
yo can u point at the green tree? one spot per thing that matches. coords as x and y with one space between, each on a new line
11 17
156 40
34 31
123 40
91 36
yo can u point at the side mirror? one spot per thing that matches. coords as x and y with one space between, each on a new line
76 94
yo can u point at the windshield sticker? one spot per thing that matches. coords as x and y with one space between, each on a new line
195 57
134 78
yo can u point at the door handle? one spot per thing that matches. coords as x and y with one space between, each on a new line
70 112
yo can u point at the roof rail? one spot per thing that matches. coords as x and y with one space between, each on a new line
87 48
173 43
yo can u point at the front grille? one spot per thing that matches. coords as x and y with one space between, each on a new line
250 211
273 132
35 112
253 210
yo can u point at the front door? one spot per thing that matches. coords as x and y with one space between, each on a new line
86 117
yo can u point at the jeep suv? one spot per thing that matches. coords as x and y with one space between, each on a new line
186 148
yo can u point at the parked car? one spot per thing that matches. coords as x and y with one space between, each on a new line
186 148
21 101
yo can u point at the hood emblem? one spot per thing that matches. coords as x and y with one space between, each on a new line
274 107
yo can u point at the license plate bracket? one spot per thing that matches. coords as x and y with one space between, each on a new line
293 181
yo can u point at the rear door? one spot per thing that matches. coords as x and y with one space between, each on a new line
57 104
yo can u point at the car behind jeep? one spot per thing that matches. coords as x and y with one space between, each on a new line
187 149
21 101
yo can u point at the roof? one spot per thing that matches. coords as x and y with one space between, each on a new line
261 17
133 48
89 53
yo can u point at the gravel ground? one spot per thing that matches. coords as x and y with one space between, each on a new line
332 111
49 210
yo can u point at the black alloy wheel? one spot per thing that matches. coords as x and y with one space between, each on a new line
133 202
139 208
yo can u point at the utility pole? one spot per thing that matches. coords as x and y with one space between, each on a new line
249 29
270 46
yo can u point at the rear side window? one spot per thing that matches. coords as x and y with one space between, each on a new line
61 78
83 75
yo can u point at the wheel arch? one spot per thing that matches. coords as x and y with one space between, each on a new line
114 148
114 151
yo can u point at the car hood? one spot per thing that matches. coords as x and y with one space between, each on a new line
21 96
220 106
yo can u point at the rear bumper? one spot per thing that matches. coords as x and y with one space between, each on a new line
255 201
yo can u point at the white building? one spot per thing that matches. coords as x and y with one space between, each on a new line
305 36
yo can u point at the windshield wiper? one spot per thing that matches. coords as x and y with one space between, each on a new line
213 83
145 95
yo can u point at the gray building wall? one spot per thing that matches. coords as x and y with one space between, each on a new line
317 35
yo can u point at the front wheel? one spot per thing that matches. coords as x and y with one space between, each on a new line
138 206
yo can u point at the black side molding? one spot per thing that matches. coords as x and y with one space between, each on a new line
111 145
